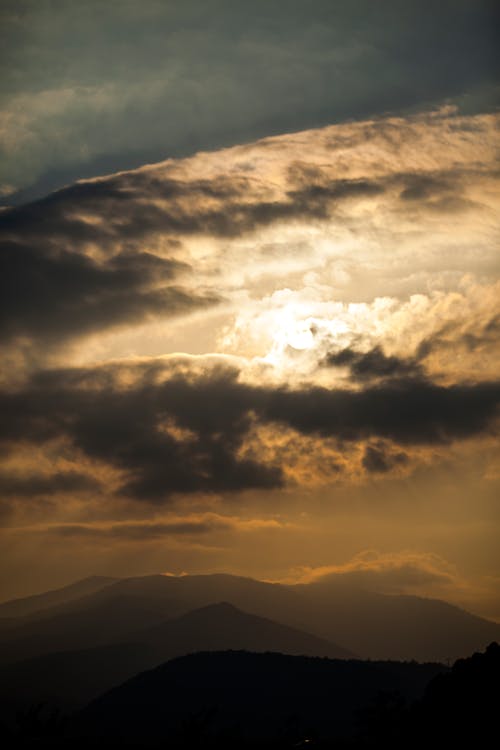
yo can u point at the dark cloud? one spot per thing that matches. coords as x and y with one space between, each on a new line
32 485
373 364
378 459
204 73
440 192
421 187
407 411
131 430
51 294
50 288
185 434
126 208
142 532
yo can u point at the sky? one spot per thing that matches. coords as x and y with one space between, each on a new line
250 293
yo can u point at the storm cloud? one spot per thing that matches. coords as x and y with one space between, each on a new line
185 434
373 364
32 485
53 294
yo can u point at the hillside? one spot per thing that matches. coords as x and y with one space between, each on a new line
367 623
70 678
253 696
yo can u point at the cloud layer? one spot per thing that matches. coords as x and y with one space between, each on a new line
295 337
84 87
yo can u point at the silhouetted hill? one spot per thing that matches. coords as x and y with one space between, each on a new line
30 604
366 623
251 696
247 701
458 709
461 707
68 678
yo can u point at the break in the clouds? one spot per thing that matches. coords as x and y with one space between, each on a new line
278 244
91 87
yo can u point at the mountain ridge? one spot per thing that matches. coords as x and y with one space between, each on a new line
364 622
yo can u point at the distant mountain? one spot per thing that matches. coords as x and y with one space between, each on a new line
69 678
366 623
30 604
249 696
218 627
95 622
383 626
116 612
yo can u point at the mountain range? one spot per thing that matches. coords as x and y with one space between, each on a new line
68 646
97 612
70 678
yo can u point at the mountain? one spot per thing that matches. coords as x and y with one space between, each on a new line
247 696
116 612
94 622
383 626
367 623
70 678
30 604
218 627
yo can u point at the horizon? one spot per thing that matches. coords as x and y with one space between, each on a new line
224 573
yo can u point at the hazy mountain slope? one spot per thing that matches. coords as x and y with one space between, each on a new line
68 678
30 604
218 627
369 624
101 623
253 695
382 626
193 592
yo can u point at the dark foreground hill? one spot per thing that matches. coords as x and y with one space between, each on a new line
68 679
250 697
246 701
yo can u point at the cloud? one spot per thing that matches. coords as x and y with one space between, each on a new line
71 263
393 573
50 296
84 99
171 432
407 411
125 250
474 336
140 532
373 364
34 485
153 531
378 459
128 207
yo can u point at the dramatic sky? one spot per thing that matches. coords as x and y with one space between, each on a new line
250 292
